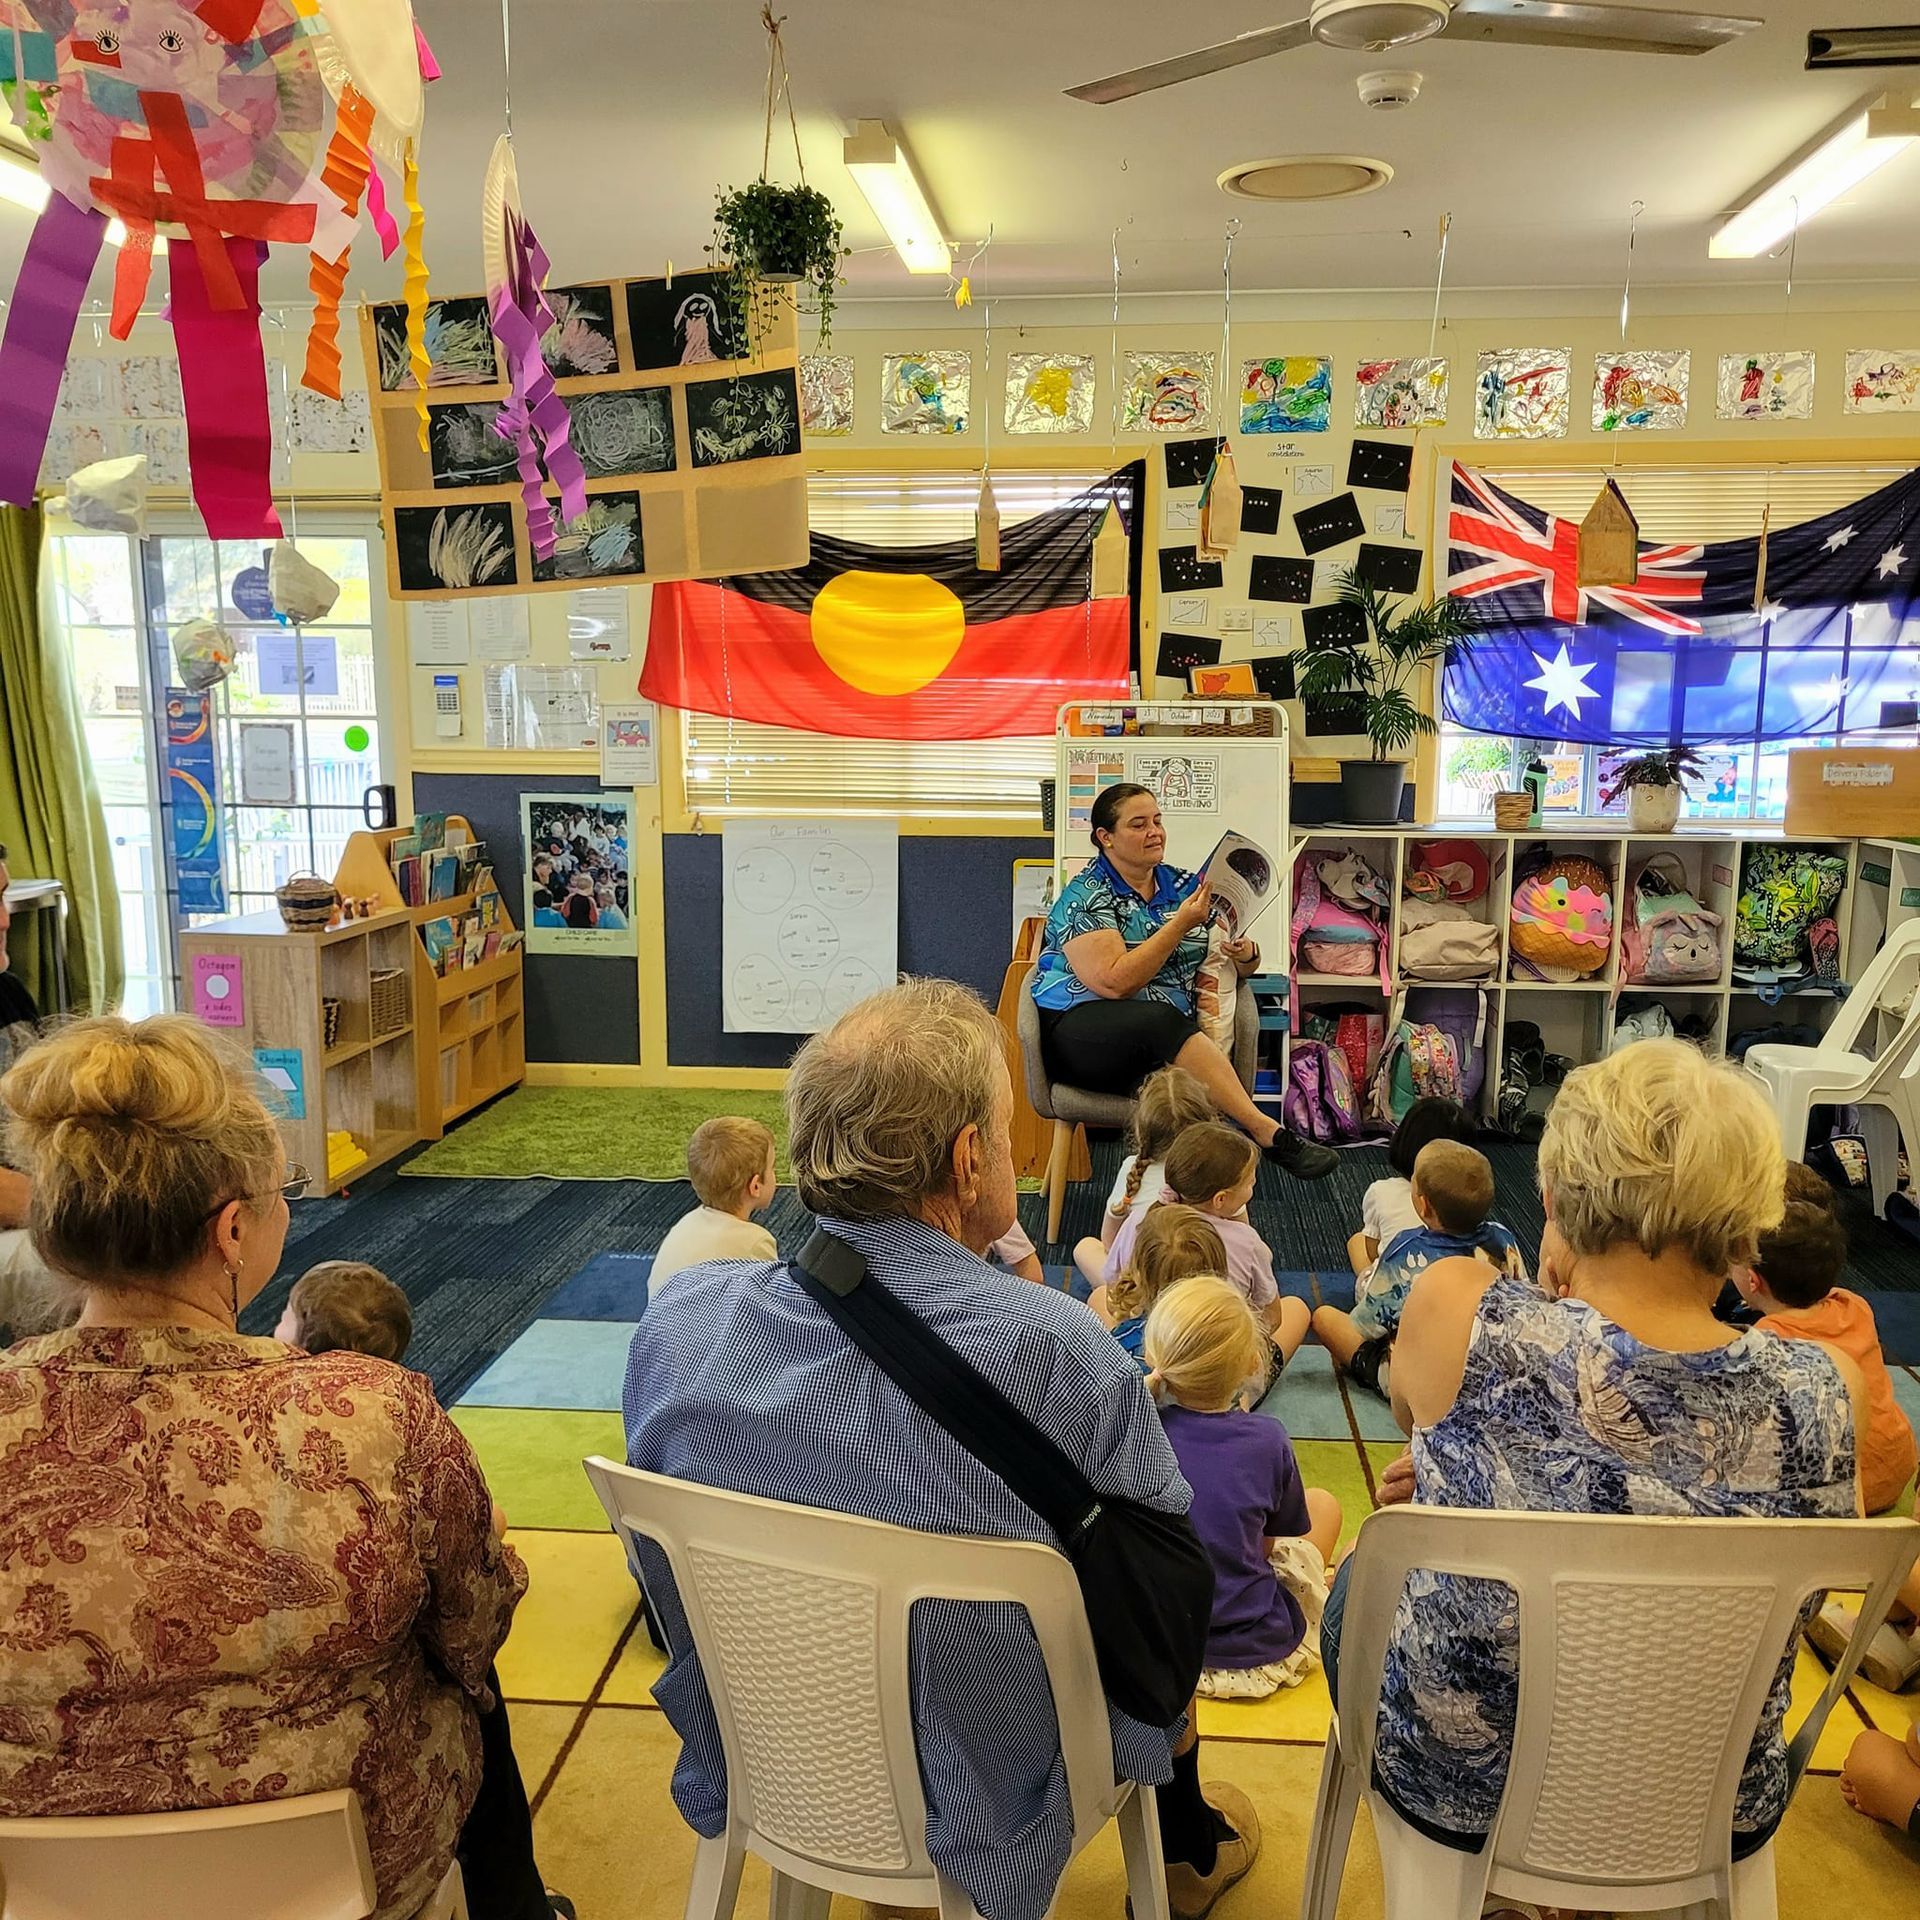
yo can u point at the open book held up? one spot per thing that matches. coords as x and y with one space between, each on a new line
1244 882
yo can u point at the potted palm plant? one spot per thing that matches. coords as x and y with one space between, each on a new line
1654 783
1400 640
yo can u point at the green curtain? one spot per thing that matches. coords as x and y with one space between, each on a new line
51 821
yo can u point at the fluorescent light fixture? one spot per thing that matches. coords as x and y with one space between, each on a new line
892 189
21 184
1845 155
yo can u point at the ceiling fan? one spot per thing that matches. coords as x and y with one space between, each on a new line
1375 26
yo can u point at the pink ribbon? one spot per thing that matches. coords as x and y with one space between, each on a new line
384 223
223 378
60 257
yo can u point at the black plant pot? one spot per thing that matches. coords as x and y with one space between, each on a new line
1370 792
782 265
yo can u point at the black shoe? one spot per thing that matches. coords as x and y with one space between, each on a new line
1368 1358
562 1906
1304 1159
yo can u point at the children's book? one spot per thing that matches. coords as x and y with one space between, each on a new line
1244 882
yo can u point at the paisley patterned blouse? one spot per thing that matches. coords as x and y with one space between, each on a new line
1562 1411
231 1573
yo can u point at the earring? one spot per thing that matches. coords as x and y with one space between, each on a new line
233 1289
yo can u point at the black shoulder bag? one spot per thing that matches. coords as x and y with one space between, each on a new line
1145 1577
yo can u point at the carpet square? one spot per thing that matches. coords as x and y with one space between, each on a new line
1334 1290
1294 1713
1897 1316
641 1663
559 1363
1308 1401
1843 1723
1335 1465
531 1457
579 1600
1297 1286
611 1286
1906 1390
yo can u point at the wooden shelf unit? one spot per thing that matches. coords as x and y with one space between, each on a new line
471 1040
367 1085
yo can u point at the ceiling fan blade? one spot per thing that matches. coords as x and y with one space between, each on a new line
1577 23
1190 66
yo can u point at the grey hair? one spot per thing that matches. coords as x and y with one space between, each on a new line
875 1103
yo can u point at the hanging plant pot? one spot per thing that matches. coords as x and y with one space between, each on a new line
786 236
1370 792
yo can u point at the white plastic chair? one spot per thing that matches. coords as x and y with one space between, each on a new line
303 1858
1647 1651
1885 1088
799 1618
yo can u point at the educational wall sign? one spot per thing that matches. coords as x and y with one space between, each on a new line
691 452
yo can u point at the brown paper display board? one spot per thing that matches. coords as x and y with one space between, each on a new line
692 450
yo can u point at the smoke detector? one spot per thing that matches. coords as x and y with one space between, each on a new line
1388 91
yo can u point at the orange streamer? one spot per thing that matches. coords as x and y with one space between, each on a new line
345 175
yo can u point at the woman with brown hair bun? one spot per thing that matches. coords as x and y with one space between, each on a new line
228 1571
1114 982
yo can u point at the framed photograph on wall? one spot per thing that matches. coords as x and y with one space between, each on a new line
579 872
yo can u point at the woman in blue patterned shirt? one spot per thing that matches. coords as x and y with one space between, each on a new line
1115 977
1608 1388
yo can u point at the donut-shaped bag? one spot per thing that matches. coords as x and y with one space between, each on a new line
1563 916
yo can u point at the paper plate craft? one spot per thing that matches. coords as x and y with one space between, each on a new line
226 126
1563 917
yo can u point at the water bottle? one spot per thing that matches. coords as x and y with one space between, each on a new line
1535 782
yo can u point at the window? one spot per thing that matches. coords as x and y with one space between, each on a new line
1745 781
116 604
736 767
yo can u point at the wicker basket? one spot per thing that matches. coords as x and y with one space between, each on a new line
389 1004
329 1022
1512 812
307 903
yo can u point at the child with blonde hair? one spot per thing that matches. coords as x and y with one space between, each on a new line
1173 1243
1212 1167
1169 1102
730 1162
1269 1537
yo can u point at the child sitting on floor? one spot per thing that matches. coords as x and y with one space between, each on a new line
730 1162
1386 1209
347 1306
1268 1536
1015 1251
1172 1243
1169 1102
1212 1167
1453 1196
1795 1283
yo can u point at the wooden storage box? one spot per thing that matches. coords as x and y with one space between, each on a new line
1854 791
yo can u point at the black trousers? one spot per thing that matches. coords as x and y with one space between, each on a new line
1110 1046
495 1850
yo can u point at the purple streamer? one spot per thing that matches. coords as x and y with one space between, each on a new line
52 283
534 417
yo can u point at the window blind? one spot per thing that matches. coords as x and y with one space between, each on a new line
739 768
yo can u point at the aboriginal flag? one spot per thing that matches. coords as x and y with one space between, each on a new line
907 643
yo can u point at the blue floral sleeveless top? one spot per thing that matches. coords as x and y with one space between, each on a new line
1562 1411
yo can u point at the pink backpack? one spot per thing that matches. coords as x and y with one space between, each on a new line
1329 936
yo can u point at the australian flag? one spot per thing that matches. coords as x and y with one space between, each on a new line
1681 655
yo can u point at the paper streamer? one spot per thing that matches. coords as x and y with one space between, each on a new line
223 379
429 66
383 221
416 286
47 297
345 175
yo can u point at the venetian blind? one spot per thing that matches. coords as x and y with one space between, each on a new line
736 767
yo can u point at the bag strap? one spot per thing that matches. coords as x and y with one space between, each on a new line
947 1388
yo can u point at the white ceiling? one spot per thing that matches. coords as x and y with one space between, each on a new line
628 113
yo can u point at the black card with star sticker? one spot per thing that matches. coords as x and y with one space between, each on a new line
1180 652
1330 713
1260 510
1394 569
1382 465
1330 524
1183 571
1274 576
1274 676
1188 461
1339 625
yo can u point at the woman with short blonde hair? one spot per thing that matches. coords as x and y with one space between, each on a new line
1609 1387
257 1574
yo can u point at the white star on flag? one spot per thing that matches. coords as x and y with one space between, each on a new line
1772 609
1835 541
1892 561
1562 683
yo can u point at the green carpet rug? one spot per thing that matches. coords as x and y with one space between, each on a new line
590 1133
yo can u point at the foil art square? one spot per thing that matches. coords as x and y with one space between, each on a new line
1400 393
930 392
1765 386
1049 392
1521 393
1167 392
1882 380
826 395
1640 392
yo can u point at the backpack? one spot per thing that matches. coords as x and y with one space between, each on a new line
1652 1022
1669 938
1440 941
1336 922
1435 1050
1783 891
1356 1031
1320 1103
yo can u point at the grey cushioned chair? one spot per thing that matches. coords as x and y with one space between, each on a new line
1068 1107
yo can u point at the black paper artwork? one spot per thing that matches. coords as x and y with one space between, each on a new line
1181 652
1274 676
1330 524
1339 625
1183 571
1383 465
1329 713
1190 461
1260 510
1393 569
1273 576
688 322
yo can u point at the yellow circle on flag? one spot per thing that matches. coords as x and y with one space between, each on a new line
887 633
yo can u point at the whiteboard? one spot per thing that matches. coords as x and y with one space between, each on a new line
809 923
1207 781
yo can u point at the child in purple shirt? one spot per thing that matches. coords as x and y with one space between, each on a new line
1268 1536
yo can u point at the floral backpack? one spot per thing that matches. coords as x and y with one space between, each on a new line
1320 1103
1783 891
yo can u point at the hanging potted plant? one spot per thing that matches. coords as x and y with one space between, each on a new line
768 234
1654 783
1400 641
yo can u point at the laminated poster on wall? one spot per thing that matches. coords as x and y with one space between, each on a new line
192 782
810 921
579 872
501 628
629 744
438 633
541 709
266 762
598 624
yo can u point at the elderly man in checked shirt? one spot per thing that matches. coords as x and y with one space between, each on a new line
899 1120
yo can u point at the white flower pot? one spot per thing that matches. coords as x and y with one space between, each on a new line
1653 809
